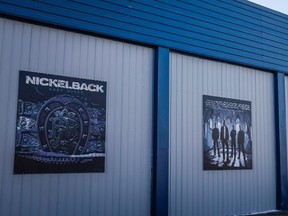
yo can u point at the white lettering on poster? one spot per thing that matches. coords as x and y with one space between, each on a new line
43 81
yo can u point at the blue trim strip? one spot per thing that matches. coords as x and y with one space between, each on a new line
161 135
281 145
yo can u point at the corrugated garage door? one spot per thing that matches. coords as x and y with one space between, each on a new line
125 187
223 188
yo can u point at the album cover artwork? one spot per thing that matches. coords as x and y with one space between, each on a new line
60 124
227 133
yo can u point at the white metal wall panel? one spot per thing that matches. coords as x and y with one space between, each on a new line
193 191
125 187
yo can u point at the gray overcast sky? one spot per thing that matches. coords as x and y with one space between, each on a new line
279 5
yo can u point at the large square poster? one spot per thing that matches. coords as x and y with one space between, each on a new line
60 124
227 133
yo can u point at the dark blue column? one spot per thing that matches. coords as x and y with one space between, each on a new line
281 145
161 134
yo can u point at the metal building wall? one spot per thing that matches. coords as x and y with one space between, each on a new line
238 31
125 187
193 191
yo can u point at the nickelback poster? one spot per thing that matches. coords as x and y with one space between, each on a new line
227 133
61 124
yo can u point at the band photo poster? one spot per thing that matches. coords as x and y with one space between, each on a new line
61 124
227 133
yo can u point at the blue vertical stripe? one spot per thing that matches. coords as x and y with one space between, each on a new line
161 136
281 145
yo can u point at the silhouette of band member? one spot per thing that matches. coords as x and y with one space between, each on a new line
233 141
224 135
215 137
240 140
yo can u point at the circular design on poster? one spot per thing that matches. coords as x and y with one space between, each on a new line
63 125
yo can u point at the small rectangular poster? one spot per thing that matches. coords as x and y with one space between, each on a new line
227 133
61 124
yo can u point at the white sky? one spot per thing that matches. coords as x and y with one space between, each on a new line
279 5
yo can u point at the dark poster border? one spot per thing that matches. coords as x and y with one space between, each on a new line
61 124
225 147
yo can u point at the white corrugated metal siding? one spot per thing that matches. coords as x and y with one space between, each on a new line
125 187
193 191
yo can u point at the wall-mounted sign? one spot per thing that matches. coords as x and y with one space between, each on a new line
60 124
227 133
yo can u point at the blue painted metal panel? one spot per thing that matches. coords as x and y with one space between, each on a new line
175 10
242 31
281 145
112 12
95 16
61 20
228 8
